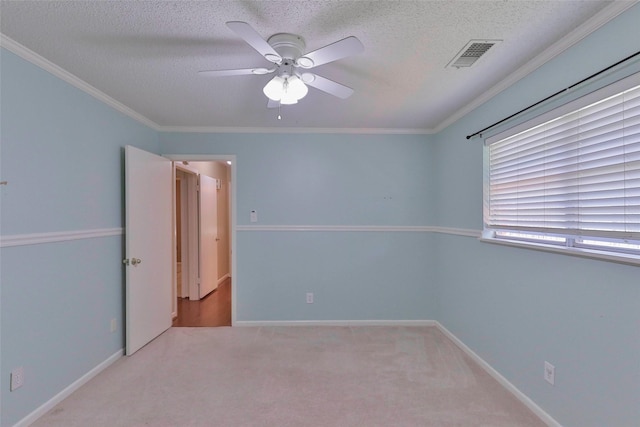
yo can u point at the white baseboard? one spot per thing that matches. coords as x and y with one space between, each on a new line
335 323
540 413
47 406
223 278
546 418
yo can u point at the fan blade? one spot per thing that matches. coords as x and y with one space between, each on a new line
224 73
273 104
237 72
255 40
333 52
329 86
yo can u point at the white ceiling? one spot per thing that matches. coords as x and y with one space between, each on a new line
146 55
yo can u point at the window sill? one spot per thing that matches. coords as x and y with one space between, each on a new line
620 258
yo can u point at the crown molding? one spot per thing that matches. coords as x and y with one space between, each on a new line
595 22
601 18
29 55
295 130
38 60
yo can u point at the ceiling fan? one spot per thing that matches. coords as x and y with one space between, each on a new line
290 64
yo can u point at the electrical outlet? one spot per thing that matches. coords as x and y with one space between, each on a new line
17 378
114 325
549 373
309 297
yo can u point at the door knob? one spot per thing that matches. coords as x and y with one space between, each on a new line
135 261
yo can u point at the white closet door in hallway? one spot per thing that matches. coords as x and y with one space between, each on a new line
208 203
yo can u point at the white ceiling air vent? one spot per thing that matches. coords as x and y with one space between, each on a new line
472 51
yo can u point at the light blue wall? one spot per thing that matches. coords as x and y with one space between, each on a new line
314 179
516 307
353 275
323 179
61 153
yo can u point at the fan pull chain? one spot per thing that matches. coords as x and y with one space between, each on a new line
279 116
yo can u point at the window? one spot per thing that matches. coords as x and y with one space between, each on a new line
570 178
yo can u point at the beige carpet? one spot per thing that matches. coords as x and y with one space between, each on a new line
294 376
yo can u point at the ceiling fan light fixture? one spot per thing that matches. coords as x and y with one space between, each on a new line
295 88
274 89
288 100
287 90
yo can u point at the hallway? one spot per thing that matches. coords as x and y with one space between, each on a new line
212 310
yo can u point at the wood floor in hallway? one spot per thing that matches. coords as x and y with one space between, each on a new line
212 310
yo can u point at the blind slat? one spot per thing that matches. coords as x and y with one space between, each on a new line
575 173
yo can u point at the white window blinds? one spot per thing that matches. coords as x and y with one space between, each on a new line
576 174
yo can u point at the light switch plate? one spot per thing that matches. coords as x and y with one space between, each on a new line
549 373
17 378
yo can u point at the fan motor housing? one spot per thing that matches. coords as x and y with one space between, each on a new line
289 46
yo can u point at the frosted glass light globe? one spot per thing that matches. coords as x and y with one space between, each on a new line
274 89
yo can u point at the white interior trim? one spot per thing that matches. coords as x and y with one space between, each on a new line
294 130
368 228
223 278
614 9
333 228
51 403
57 236
232 217
618 257
604 16
258 323
458 231
545 417
540 413
61 73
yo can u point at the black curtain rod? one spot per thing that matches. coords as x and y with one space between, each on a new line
555 94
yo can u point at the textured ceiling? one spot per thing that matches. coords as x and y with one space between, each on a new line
147 54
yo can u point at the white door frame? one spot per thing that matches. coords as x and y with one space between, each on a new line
232 203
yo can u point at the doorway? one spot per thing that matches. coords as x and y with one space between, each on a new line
200 302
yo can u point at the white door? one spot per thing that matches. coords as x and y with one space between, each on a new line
208 203
148 244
